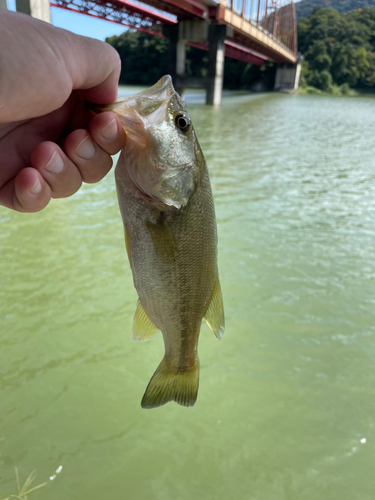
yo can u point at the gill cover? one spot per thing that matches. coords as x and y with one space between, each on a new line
160 152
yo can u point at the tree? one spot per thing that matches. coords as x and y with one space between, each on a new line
341 45
145 59
305 7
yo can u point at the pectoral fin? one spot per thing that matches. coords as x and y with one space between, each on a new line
215 313
163 239
143 328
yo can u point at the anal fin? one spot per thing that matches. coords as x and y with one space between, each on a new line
143 328
127 244
215 312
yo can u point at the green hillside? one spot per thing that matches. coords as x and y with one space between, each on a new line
338 49
305 7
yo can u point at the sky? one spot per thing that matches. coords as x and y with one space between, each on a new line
80 24
85 25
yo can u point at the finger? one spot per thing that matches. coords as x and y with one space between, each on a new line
92 161
57 169
27 192
107 132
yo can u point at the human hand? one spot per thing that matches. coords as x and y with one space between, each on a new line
49 140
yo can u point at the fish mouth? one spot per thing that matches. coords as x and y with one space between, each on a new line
152 97
146 108
156 97
161 91
144 103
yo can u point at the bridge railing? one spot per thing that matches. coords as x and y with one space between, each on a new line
275 17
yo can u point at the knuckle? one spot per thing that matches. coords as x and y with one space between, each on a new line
97 170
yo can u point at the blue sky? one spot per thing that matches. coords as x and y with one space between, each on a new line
81 24
85 25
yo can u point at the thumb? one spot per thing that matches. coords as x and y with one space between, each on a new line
95 69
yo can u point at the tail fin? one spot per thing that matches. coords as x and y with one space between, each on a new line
166 385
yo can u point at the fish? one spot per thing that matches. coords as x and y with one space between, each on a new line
167 208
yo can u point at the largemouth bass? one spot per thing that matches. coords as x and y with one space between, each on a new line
167 208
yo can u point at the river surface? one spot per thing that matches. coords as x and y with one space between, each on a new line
286 405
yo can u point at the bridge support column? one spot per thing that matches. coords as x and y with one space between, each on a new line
40 9
179 34
287 76
216 36
3 4
198 31
176 56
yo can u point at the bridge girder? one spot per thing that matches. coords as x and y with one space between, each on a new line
268 30
120 12
143 19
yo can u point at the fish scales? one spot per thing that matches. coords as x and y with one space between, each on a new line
168 212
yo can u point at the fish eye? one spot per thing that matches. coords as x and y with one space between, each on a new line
182 121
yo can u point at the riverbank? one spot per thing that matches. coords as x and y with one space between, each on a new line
192 96
338 90
342 90
198 96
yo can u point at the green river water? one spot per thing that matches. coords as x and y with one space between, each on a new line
286 406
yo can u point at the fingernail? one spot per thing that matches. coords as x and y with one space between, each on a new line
56 164
110 131
36 189
86 148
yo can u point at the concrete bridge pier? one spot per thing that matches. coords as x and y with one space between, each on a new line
198 31
179 34
287 76
214 82
40 9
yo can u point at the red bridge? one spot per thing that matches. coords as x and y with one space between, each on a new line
249 30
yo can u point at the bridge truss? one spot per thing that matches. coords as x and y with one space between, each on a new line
122 12
261 28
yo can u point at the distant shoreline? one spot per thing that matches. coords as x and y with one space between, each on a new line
336 91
